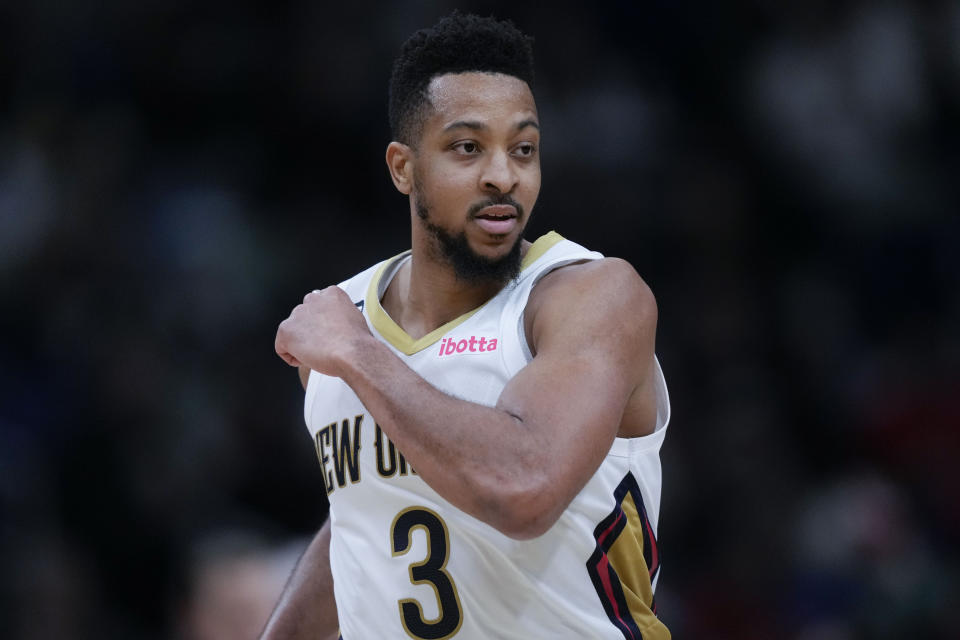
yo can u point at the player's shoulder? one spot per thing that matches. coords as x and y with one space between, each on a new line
581 302
356 285
612 283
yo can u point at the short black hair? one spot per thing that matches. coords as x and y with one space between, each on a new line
457 44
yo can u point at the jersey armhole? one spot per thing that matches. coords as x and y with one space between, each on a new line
625 447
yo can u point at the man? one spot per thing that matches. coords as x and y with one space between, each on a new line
487 412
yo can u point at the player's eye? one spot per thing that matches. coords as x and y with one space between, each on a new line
467 147
525 149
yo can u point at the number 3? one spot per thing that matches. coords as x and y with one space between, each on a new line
429 571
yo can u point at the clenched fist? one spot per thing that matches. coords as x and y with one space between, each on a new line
320 332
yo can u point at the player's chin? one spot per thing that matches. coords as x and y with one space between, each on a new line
494 246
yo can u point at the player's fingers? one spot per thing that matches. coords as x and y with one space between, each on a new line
289 359
310 294
280 345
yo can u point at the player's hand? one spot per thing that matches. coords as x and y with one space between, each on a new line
319 333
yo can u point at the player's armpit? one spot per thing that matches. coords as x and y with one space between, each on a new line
592 327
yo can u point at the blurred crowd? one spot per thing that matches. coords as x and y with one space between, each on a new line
175 175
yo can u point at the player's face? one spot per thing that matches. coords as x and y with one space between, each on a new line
477 167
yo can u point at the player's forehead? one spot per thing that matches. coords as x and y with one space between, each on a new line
494 99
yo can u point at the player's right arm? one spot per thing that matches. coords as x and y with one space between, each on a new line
517 465
306 609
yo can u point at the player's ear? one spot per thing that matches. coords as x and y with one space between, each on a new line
400 160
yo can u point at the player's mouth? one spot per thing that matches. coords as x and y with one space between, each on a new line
497 219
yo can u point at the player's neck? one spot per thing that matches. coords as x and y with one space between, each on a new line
425 295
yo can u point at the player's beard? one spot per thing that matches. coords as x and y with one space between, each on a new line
469 266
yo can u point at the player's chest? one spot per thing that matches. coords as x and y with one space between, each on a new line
355 453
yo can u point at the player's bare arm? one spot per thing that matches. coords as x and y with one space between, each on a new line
306 609
517 465
304 373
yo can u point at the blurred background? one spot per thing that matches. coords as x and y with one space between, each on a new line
175 175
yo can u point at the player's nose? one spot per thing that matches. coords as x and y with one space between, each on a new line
498 173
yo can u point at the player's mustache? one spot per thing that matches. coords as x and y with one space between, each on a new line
495 200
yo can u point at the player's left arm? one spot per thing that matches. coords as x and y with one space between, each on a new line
517 465
593 328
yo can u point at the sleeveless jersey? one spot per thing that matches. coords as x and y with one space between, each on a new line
407 563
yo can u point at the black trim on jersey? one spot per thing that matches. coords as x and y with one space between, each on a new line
603 575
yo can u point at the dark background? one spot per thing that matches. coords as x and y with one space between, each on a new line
175 175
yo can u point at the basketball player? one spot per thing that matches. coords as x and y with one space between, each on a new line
487 411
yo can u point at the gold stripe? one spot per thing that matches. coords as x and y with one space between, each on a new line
626 557
540 247
390 330
400 339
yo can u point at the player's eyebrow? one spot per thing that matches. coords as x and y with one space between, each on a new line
476 125
473 125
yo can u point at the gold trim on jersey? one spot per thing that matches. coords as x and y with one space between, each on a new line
540 246
394 334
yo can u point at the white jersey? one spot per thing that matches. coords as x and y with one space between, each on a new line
407 563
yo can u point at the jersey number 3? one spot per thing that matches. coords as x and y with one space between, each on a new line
429 571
